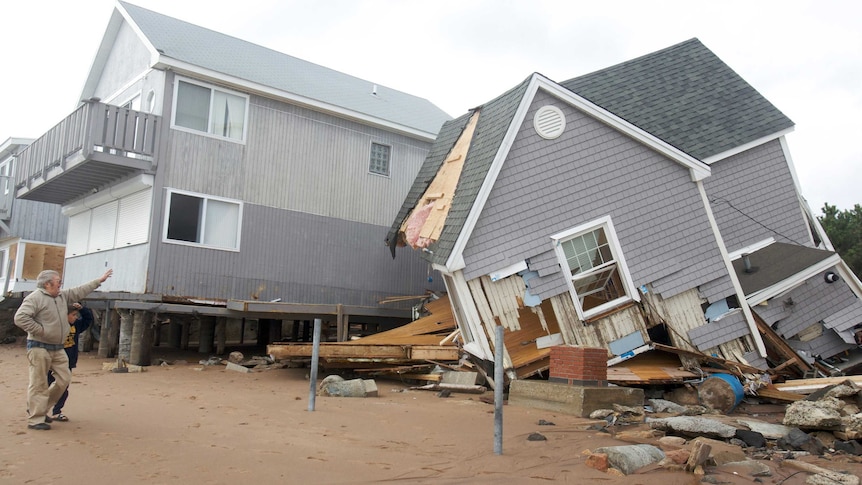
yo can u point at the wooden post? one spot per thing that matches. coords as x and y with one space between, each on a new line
340 334
142 338
220 334
205 337
294 336
175 332
186 331
126 326
104 340
274 331
114 334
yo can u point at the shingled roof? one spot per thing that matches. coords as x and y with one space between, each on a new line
191 45
686 96
494 120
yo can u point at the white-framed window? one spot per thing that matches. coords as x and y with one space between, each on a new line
380 156
202 220
4 261
592 259
6 176
207 109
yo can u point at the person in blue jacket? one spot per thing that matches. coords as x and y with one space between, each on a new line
80 319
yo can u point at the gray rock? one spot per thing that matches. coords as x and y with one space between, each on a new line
852 424
601 413
752 439
663 406
536 437
336 386
851 447
798 440
630 458
693 426
768 430
821 414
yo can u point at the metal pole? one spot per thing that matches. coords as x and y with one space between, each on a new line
315 355
498 390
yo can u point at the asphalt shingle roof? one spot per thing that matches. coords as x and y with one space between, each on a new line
228 55
686 96
494 120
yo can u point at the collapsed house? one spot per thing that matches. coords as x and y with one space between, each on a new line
652 202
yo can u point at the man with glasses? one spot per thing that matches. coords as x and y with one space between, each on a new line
43 315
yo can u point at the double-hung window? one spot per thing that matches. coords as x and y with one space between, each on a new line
197 219
591 257
210 110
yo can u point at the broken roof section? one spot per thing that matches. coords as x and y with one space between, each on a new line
683 97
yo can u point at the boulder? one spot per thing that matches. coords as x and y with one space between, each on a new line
630 458
798 440
752 439
693 426
821 414
768 430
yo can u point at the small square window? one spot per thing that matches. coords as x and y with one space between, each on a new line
379 159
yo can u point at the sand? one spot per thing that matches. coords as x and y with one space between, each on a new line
189 423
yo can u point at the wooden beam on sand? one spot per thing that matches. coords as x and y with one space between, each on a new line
371 351
807 386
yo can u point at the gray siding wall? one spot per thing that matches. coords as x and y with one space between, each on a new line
37 221
712 334
299 160
128 59
826 345
314 219
753 198
297 257
591 170
813 301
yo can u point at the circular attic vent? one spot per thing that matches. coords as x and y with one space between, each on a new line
549 122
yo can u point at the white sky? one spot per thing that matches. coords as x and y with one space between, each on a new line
805 57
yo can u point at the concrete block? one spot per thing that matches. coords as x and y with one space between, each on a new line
463 378
575 400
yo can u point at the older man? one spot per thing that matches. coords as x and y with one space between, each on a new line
43 315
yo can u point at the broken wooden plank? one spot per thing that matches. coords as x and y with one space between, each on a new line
807 386
779 395
472 389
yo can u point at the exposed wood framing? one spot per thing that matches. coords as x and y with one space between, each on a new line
680 313
425 222
599 332
418 341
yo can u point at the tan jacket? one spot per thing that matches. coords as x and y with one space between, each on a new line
45 317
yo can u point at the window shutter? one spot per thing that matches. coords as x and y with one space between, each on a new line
103 227
79 230
134 216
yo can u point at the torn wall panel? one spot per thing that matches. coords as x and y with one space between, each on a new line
426 221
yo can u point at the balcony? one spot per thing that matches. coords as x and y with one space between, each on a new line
94 147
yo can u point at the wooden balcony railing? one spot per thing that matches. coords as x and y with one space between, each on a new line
94 131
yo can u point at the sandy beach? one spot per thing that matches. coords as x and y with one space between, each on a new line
190 423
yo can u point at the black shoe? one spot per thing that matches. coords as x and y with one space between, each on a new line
40 426
49 419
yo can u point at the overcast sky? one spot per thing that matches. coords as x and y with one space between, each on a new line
805 57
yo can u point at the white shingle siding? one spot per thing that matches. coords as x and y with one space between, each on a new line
846 318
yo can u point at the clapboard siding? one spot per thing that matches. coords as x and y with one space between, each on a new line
754 198
297 257
590 171
37 221
299 160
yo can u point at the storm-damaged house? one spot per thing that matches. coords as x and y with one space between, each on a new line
230 183
654 201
